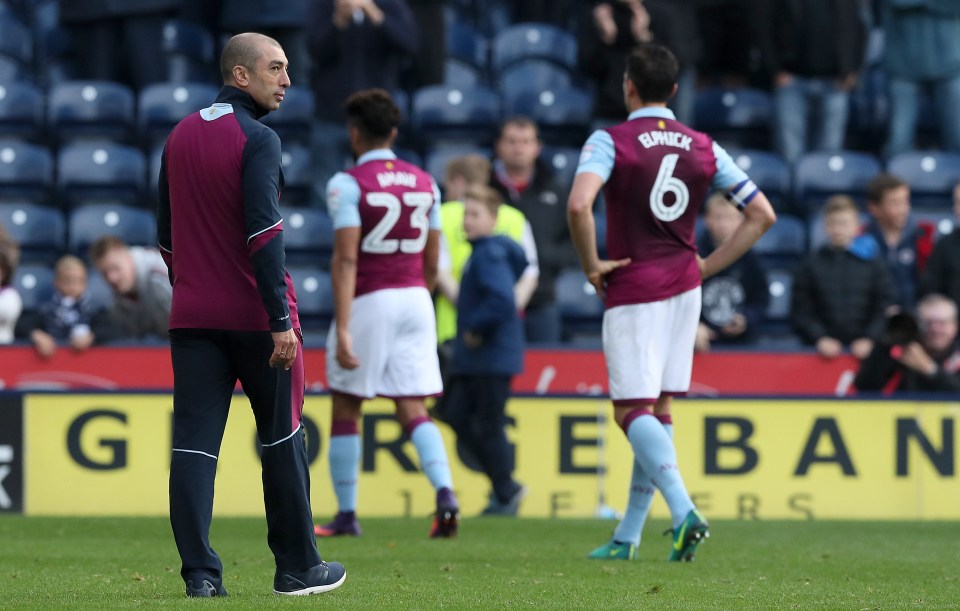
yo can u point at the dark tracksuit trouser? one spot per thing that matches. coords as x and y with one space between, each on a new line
206 367
474 408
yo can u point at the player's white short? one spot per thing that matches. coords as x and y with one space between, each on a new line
649 347
394 335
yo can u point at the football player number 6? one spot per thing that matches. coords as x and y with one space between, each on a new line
376 241
668 183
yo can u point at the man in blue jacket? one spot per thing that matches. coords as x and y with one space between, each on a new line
488 350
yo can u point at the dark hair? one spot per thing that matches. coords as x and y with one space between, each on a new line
103 245
242 50
880 184
653 70
519 121
840 203
374 113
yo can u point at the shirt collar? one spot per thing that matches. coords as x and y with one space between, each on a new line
239 98
376 155
656 112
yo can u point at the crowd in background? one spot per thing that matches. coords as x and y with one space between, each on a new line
878 78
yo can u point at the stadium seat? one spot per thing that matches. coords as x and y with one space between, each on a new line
770 172
533 76
101 171
784 244
297 175
409 155
932 176
314 296
533 40
21 110
293 120
308 236
189 52
88 223
564 162
458 73
737 118
451 113
26 171
777 316
580 308
16 49
465 45
34 282
942 221
436 160
97 288
563 115
162 105
39 230
817 176
90 109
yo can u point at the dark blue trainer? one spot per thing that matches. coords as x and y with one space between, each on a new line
324 577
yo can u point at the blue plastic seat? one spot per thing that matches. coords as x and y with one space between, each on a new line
780 285
101 171
441 112
932 176
39 230
16 48
188 47
770 172
314 296
162 105
533 40
297 175
737 118
26 170
90 222
580 308
458 73
465 44
533 76
21 110
293 120
784 244
563 161
562 115
817 176
34 282
90 109
308 236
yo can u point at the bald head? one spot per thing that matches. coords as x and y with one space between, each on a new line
243 50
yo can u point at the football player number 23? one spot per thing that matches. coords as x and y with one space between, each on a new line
668 183
377 242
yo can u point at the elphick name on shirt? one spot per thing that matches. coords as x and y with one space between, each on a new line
665 138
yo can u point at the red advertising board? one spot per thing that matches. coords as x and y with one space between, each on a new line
545 372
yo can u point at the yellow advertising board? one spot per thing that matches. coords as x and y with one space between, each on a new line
109 455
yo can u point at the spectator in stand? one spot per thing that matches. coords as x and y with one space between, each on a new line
282 21
812 80
461 173
901 242
921 51
842 291
488 350
727 32
529 185
141 287
735 299
354 45
98 29
429 66
927 363
617 27
942 272
10 303
70 317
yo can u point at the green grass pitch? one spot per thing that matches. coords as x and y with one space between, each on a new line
99 563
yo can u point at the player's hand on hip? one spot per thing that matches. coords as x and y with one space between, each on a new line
345 356
285 344
597 276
